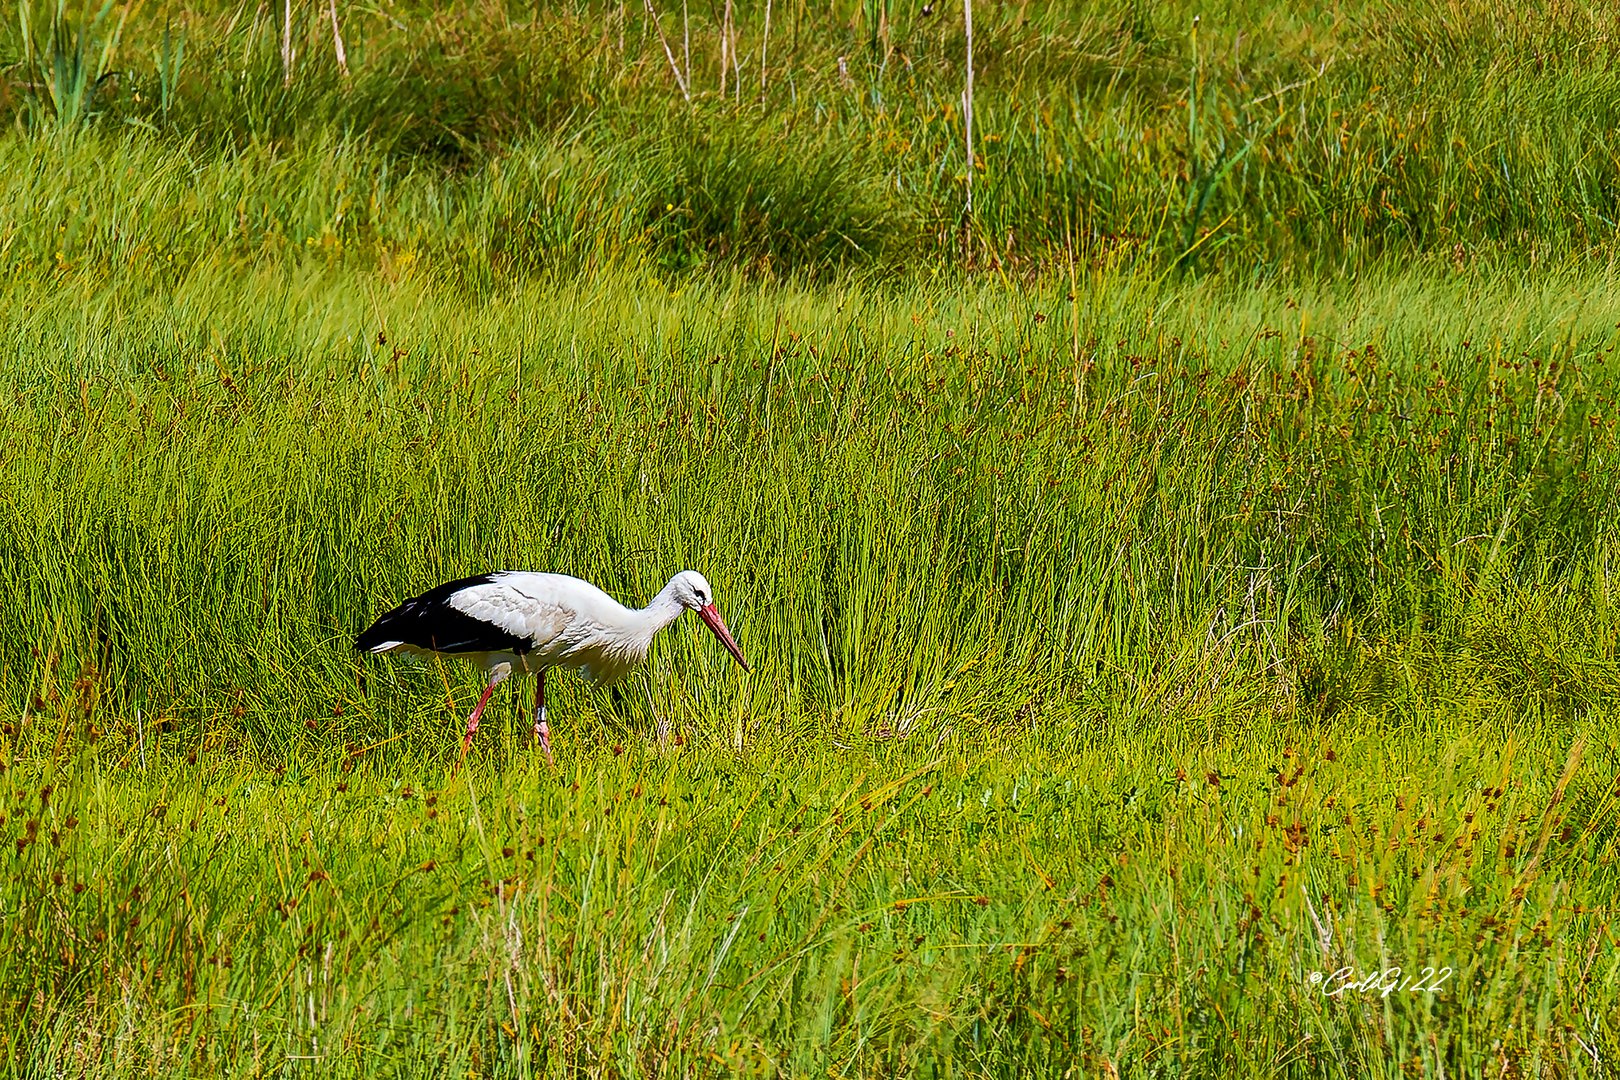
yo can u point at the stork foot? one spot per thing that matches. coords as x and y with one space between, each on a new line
542 732
542 735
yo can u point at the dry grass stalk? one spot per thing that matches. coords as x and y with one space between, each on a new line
286 42
764 47
669 53
337 40
967 99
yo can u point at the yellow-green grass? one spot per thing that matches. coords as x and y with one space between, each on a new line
1173 899
1182 580
1125 653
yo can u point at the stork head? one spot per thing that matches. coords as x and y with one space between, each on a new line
692 590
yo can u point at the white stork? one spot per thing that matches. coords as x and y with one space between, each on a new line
514 620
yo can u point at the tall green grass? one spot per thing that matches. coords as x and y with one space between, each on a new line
964 505
1121 661
1254 140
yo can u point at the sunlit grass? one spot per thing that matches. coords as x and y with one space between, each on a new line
1176 589
1134 897
1128 897
1133 494
1120 662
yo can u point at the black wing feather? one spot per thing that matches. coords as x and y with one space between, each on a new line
429 622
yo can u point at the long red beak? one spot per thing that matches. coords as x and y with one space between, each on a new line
711 616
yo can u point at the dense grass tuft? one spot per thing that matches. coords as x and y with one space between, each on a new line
1118 497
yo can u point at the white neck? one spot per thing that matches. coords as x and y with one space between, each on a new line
663 610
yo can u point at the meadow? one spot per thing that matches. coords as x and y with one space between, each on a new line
1178 587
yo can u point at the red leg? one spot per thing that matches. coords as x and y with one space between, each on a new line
495 678
542 732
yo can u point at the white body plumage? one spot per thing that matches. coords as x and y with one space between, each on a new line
564 621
